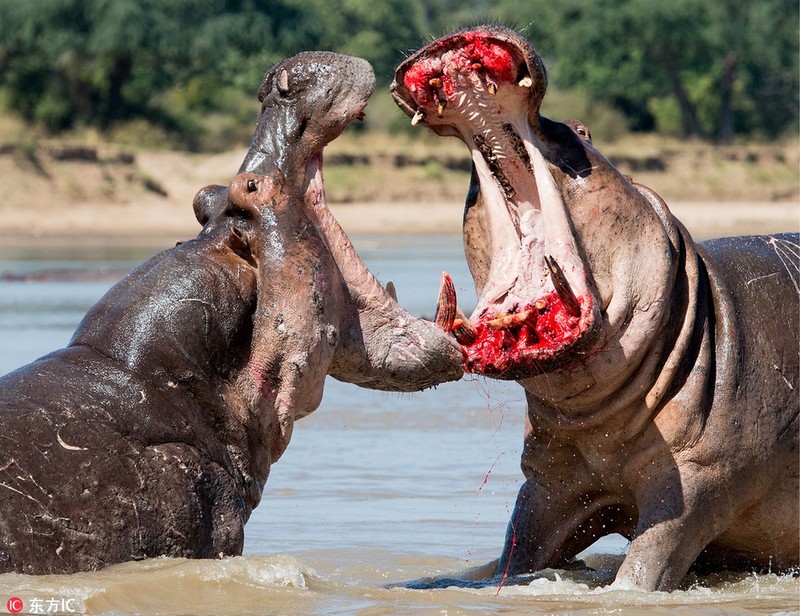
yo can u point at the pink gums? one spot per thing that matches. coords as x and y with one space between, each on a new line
539 338
464 52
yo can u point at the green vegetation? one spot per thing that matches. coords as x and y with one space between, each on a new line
185 72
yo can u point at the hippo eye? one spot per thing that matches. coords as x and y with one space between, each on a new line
283 82
252 186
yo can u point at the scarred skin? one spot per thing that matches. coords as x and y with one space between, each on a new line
664 404
153 432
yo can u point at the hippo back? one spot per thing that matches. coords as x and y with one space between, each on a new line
761 273
116 450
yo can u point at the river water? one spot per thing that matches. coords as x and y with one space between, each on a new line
376 492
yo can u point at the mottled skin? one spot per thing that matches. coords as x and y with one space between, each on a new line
153 432
667 408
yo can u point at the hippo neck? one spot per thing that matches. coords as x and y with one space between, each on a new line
180 322
176 318
684 339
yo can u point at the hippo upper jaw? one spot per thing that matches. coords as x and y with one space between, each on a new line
307 101
535 294
311 98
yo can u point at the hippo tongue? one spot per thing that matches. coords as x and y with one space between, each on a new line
534 300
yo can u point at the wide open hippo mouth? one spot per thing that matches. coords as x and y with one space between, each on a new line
485 85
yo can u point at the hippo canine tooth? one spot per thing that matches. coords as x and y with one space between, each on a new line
449 316
562 287
446 304
463 330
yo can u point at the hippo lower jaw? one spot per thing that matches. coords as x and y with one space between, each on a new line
535 301
383 346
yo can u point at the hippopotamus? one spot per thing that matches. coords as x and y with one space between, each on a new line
661 374
153 432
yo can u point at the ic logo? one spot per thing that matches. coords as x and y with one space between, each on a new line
14 605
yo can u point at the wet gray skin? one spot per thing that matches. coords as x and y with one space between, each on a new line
661 374
306 102
153 432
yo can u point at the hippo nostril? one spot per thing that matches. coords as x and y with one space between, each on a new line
251 186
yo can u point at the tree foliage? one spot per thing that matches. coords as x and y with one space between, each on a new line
726 66
712 69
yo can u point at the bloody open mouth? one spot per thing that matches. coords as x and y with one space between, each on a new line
485 86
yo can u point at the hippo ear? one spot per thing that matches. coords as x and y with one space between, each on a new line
240 244
209 202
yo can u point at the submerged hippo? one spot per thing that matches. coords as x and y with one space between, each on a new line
153 432
661 375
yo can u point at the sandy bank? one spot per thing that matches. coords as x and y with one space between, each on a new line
115 200
160 222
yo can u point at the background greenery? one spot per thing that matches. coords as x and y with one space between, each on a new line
186 71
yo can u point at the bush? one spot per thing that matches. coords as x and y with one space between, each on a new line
605 123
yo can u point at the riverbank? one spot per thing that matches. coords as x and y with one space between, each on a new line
101 192
157 224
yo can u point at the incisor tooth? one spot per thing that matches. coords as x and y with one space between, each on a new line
525 82
507 321
417 118
463 329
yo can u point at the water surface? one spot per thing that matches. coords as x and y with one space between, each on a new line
375 489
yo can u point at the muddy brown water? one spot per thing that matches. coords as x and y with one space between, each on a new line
376 490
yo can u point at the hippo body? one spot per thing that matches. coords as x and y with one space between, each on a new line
153 432
661 375
117 449
695 455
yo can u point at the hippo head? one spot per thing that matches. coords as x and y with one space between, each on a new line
557 240
306 102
